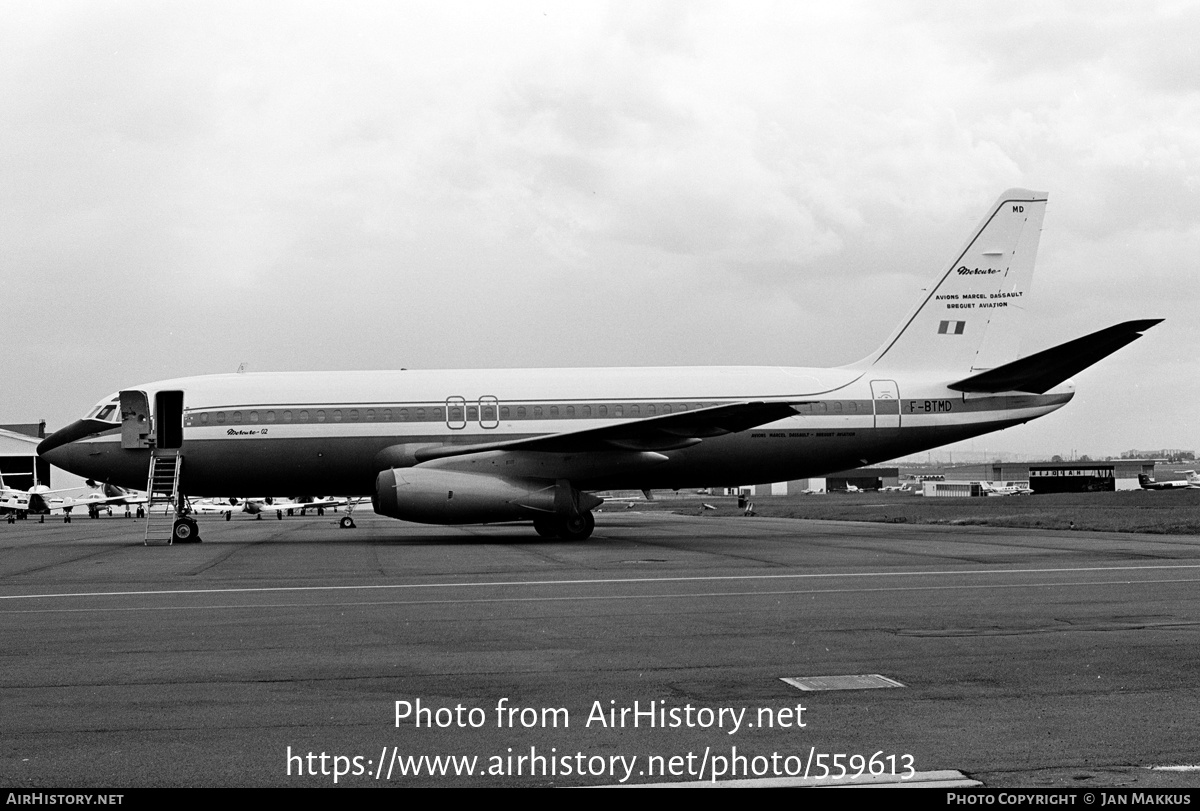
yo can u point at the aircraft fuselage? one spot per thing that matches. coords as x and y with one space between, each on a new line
334 431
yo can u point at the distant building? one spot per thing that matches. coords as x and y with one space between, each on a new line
1060 477
864 478
19 462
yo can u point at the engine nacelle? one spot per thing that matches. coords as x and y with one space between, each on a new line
435 496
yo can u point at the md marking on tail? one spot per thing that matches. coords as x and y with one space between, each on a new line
491 445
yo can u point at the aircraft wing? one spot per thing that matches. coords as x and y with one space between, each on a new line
1044 370
649 434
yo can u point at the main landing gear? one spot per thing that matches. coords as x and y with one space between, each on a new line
571 528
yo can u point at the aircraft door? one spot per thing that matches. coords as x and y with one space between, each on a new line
135 420
886 396
168 419
489 412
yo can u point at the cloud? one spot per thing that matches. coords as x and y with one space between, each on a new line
386 184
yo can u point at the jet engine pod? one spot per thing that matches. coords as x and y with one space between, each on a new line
435 496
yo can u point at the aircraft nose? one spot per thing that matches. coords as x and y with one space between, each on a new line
59 438
59 446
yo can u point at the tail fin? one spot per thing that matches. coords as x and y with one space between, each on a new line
970 319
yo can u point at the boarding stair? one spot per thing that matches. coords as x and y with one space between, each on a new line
162 492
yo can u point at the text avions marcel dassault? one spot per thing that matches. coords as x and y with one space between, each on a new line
602 715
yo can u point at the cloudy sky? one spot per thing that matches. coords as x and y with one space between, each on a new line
192 185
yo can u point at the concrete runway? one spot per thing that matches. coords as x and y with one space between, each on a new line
274 654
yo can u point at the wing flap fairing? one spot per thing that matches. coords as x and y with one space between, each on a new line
649 434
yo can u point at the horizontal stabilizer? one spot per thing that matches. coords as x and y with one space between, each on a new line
1043 371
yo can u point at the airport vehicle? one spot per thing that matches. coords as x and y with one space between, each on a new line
1148 483
491 445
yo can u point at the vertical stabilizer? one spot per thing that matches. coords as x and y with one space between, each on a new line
971 318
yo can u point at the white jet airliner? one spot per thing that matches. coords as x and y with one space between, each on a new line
478 446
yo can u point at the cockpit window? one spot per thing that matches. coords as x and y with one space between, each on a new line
106 411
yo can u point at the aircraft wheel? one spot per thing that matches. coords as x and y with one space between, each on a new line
185 531
346 523
578 527
547 526
228 516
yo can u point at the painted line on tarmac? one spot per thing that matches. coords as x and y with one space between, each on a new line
603 581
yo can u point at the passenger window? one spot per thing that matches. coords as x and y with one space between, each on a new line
553 411
237 418
520 412
220 418
570 411
253 416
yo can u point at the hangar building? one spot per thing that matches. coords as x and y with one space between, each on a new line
1061 477
19 462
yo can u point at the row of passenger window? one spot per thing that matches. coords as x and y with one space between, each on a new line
480 413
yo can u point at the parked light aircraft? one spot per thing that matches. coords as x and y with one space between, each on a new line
478 446
108 496
1148 483
41 500
1006 489
38 500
